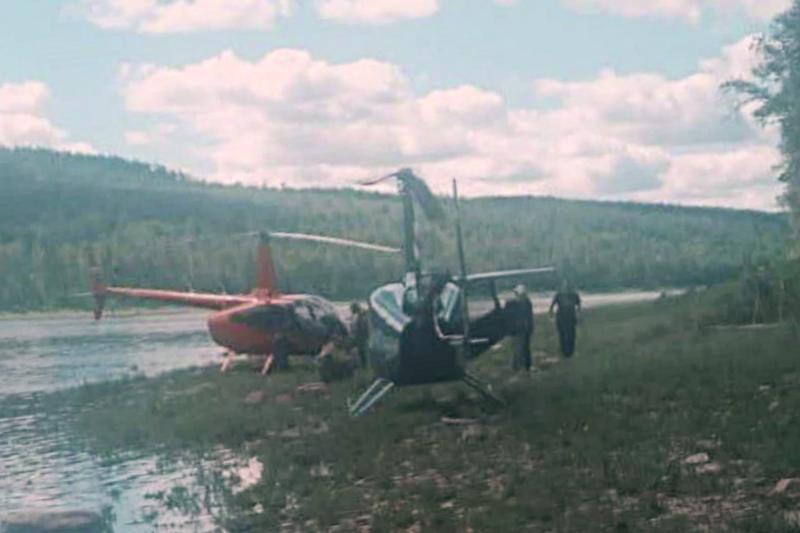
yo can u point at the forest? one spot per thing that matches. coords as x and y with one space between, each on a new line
146 225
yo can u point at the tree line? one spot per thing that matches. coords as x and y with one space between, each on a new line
146 225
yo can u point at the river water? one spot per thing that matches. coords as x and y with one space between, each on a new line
40 469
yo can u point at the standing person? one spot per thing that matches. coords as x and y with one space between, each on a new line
280 354
568 302
359 329
519 317
281 351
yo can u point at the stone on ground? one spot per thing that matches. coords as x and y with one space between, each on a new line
52 522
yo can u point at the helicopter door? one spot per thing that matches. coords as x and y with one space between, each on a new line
309 324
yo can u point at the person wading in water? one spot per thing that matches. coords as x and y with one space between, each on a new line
568 302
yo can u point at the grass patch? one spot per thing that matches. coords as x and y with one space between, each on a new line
597 443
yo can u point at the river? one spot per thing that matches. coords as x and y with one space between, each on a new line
41 468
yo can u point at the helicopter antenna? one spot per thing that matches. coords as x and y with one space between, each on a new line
462 262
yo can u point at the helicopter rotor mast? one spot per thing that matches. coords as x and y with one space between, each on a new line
410 243
412 189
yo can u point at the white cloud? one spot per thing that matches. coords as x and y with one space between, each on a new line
292 118
23 121
376 11
716 155
158 16
737 176
174 16
691 10
160 133
650 108
385 11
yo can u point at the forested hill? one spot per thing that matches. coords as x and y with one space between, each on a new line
55 208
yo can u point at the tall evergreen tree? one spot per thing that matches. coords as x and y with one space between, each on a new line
775 89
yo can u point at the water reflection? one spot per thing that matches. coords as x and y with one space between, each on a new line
41 468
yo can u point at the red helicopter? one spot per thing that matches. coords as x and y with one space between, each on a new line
250 324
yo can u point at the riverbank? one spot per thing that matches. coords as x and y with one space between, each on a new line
591 299
77 312
657 424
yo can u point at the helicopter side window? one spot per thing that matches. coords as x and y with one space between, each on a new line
448 301
321 307
324 310
303 312
263 317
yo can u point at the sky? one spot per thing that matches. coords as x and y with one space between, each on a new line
595 99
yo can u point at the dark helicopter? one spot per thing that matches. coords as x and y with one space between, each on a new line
421 329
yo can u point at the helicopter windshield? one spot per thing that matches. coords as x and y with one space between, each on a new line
391 303
387 303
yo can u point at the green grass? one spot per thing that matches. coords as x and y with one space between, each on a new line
596 443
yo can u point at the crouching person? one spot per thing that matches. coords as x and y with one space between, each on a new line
279 358
334 360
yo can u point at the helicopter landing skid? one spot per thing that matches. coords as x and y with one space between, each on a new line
379 388
227 361
484 389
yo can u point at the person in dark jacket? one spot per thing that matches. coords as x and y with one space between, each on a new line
568 304
360 332
279 358
519 317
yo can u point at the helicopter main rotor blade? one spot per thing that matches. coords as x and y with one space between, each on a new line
490 276
335 240
416 188
402 174
375 181
294 236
